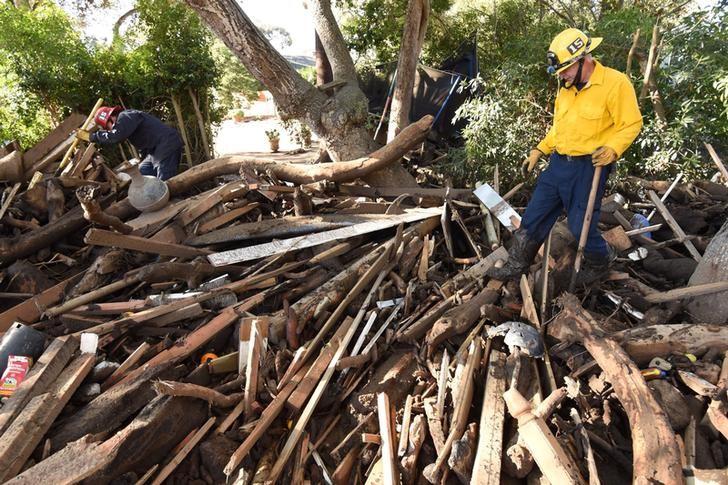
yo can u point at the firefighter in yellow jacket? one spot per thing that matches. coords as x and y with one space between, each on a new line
596 118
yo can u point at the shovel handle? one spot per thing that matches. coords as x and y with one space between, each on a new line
585 226
85 126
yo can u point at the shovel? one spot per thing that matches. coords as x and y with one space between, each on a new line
146 193
585 226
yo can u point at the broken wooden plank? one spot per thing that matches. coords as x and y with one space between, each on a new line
718 162
679 233
554 463
487 466
9 199
40 377
226 217
28 429
56 137
125 366
100 237
255 351
31 309
687 292
172 465
386 432
277 247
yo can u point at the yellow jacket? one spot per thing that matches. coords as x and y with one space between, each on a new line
604 113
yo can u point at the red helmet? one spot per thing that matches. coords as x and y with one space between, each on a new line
103 115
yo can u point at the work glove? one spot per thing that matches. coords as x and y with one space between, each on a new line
530 161
83 135
603 156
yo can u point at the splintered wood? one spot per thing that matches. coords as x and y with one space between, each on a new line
282 322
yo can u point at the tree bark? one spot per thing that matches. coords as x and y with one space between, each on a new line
338 120
418 12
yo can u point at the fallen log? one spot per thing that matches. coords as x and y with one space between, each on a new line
656 456
644 343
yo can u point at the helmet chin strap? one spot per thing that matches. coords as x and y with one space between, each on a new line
577 78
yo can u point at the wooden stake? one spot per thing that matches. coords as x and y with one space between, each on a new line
403 435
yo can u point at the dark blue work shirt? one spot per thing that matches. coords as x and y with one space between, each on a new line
146 132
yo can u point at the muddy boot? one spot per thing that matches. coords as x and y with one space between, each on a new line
520 256
595 267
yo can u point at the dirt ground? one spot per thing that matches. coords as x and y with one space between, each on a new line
249 135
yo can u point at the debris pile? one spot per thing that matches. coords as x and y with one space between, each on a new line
279 323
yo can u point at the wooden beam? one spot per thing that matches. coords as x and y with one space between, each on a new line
28 429
679 233
487 466
101 237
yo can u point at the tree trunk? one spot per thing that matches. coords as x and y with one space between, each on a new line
712 267
418 12
323 66
340 119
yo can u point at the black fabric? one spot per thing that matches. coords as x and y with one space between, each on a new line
431 89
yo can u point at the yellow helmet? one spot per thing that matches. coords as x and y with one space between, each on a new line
568 47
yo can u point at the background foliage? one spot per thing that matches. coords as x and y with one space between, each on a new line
509 110
47 70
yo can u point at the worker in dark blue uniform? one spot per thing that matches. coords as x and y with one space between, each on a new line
596 118
159 145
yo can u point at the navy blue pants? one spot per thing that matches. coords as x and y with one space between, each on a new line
162 163
565 184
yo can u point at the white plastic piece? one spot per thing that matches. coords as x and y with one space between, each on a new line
89 343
